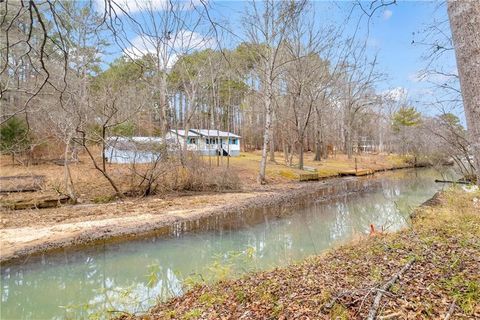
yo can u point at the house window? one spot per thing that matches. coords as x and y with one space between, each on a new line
233 141
192 141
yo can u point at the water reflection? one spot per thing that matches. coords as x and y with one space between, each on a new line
119 276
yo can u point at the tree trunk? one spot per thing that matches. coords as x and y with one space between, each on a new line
180 110
272 147
266 137
68 177
318 138
97 167
285 152
184 152
104 157
380 140
272 134
189 106
465 25
348 143
163 104
300 155
318 150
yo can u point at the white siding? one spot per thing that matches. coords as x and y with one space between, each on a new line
221 138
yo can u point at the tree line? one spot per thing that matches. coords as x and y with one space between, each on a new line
287 83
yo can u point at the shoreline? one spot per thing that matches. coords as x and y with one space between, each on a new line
429 268
28 241
18 244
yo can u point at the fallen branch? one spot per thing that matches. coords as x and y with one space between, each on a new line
334 300
450 310
376 302
28 183
391 316
454 182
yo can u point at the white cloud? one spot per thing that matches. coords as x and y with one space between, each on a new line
396 94
387 14
183 42
133 6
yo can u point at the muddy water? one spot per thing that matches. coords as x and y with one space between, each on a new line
130 276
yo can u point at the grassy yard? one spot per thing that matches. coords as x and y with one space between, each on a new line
437 260
247 165
91 186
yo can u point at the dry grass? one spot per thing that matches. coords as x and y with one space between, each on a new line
89 183
242 171
277 172
98 200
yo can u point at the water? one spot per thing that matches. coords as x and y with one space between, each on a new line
132 275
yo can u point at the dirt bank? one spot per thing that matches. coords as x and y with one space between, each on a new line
33 231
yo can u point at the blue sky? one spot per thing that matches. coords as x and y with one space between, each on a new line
392 34
391 31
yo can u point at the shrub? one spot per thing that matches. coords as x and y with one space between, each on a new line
197 175
125 129
170 174
14 135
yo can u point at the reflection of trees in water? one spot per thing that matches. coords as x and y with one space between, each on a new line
340 224
42 279
35 287
136 298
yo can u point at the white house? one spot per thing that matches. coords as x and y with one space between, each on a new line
133 149
207 142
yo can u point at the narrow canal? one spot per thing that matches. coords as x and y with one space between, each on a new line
132 275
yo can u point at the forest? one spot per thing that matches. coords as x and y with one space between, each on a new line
287 85
239 132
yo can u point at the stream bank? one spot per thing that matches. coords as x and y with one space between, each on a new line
132 276
427 271
18 243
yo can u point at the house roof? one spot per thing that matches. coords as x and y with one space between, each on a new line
138 139
205 133
134 143
214 133
182 133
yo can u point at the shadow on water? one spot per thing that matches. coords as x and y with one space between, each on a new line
132 275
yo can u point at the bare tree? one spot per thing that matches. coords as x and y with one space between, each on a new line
304 75
356 78
112 101
452 140
165 35
266 29
34 43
